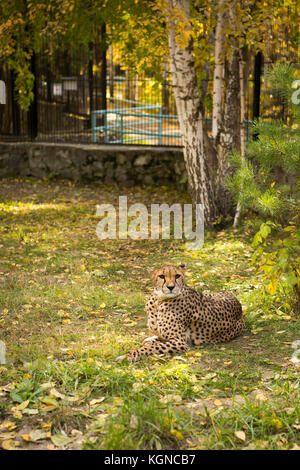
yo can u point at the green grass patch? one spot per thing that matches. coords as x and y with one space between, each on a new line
70 304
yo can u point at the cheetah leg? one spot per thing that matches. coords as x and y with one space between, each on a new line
158 347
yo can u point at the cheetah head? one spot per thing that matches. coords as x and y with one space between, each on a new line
169 281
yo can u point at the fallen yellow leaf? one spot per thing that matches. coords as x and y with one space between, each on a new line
8 425
96 401
55 393
7 435
240 435
8 444
277 423
218 402
22 405
295 447
47 385
177 434
18 414
47 425
49 401
260 396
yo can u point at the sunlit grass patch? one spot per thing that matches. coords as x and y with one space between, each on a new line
255 424
16 207
139 424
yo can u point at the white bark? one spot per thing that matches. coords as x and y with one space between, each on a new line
218 70
242 133
229 134
189 108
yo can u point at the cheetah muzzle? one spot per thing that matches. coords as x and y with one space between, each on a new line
179 316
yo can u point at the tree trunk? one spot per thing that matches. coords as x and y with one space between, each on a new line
33 110
103 73
100 85
135 88
229 133
256 89
218 71
205 73
242 132
127 85
242 107
228 137
91 77
189 111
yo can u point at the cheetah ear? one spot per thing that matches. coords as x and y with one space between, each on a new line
153 274
182 266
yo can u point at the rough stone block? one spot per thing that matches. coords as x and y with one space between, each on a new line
124 166
143 160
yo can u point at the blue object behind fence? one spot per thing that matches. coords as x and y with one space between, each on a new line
133 122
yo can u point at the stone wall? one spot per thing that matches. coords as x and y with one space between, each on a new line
125 166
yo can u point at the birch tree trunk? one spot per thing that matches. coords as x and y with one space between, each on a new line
229 134
189 108
218 70
242 132
232 132
228 129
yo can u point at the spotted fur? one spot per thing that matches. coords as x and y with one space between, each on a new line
179 316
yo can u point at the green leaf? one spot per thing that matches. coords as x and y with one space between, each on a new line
265 230
60 440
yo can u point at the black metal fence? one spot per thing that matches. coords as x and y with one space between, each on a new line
69 90
63 111
64 105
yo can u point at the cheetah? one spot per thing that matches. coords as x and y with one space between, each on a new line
179 316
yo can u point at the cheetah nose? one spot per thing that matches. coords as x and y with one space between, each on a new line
171 288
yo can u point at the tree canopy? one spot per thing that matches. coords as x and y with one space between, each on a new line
139 29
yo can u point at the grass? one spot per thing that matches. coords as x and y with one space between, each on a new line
71 303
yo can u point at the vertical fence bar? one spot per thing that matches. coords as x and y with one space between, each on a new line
160 124
122 131
93 121
105 127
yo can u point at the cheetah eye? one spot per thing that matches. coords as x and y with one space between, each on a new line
177 276
161 276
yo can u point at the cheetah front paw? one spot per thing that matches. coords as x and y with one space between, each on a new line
121 358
